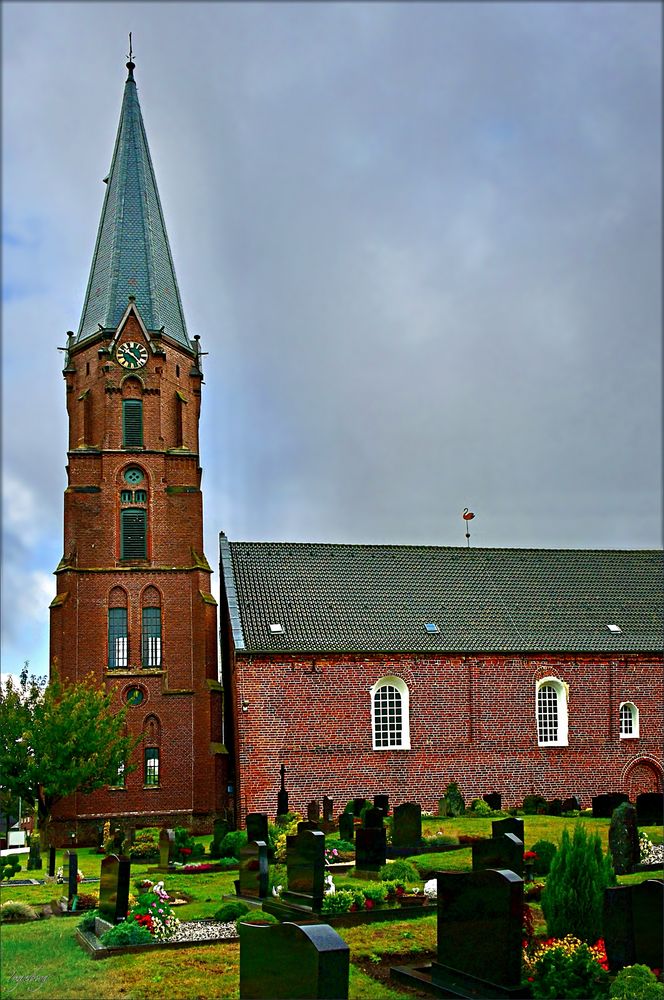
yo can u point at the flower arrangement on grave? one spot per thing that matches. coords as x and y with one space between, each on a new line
650 854
431 888
60 877
331 856
567 967
153 912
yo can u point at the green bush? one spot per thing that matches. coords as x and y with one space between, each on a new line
338 902
376 893
277 875
144 851
575 976
13 910
480 807
335 843
439 840
454 799
624 839
399 869
10 864
573 897
545 851
231 911
87 922
534 805
636 982
226 863
393 888
257 917
232 842
287 822
126 933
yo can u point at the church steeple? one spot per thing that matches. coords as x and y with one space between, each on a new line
132 255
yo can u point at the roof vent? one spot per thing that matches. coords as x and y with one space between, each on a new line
431 627
276 628
614 628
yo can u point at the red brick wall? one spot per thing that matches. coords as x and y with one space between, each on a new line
472 720
184 694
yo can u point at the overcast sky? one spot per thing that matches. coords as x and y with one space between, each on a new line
420 242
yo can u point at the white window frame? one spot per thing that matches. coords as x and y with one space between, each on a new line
562 694
635 720
400 685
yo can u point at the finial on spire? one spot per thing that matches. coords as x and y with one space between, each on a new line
131 64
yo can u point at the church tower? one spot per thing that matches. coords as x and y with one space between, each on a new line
133 604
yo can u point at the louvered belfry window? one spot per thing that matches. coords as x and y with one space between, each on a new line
132 423
133 530
151 637
118 638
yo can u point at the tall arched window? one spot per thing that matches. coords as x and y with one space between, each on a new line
629 720
151 754
133 533
551 709
151 628
132 423
118 632
390 714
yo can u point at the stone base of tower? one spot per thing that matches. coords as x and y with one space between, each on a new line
87 831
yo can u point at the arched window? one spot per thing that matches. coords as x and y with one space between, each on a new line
629 720
132 423
118 633
133 533
151 756
551 711
151 628
390 714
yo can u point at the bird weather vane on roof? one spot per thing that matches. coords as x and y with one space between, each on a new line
467 516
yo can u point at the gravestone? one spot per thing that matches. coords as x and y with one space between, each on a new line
508 825
603 805
382 802
282 794
571 804
407 825
34 857
305 864
166 849
117 839
328 806
373 819
632 924
256 824
70 872
499 852
254 870
51 862
346 827
220 829
291 962
114 888
650 808
313 811
494 800
358 806
554 807
479 932
370 848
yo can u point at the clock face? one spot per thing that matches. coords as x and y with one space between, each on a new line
134 696
131 354
133 476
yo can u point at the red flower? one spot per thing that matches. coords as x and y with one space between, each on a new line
529 855
185 850
368 904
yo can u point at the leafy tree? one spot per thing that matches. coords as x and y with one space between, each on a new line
58 740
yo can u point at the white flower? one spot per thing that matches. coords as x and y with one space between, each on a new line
431 888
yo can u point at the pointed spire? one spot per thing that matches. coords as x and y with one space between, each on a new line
132 255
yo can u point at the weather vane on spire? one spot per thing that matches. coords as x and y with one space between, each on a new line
467 516
131 54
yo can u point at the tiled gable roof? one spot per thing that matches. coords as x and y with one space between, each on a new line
379 598
132 255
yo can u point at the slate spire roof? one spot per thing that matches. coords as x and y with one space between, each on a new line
132 255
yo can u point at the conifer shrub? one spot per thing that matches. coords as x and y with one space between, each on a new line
480 808
399 869
231 911
258 917
624 839
534 805
126 933
545 851
572 899
9 865
232 842
454 800
636 982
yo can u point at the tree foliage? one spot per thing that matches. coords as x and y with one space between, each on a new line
573 897
59 739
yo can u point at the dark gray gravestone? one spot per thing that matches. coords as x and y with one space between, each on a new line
358 806
499 852
166 848
256 824
51 862
603 805
346 827
370 848
254 870
571 804
70 872
305 863
647 911
479 931
509 825
290 962
114 888
373 819
494 800
617 928
554 807
407 825
328 806
443 808
313 810
650 808
282 794
382 802
34 857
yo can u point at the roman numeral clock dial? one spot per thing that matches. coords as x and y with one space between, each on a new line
131 355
